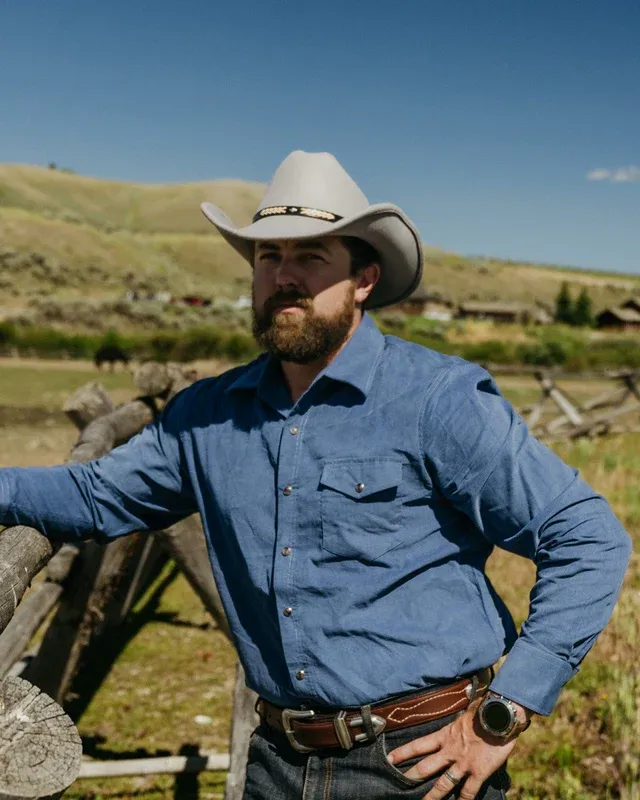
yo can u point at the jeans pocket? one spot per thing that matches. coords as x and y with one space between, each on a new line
398 773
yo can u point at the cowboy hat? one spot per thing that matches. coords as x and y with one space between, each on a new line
311 195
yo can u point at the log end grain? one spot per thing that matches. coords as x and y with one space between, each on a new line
40 748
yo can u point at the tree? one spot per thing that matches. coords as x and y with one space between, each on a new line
583 311
565 311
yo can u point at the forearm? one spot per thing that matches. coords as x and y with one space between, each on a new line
59 502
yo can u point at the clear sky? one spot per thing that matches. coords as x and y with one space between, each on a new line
502 127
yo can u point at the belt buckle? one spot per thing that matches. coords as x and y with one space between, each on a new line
341 728
289 714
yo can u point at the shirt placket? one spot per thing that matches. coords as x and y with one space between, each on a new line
288 553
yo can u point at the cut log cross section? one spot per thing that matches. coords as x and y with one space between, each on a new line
40 749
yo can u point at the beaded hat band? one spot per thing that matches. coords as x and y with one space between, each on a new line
296 211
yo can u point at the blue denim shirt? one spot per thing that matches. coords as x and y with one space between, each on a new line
349 532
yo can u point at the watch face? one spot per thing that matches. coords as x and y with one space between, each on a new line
497 716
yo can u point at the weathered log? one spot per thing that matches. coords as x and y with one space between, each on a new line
115 428
40 749
148 565
162 380
602 422
180 379
23 553
186 544
243 722
562 401
88 403
101 575
152 379
163 765
59 567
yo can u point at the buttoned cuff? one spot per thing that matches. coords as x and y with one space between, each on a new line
532 677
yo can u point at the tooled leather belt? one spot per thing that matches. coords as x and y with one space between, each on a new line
317 730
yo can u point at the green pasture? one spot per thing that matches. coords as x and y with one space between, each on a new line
48 387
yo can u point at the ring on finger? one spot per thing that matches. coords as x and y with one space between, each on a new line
454 780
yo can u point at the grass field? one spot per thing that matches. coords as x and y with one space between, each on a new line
176 666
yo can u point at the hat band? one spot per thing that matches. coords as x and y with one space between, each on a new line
296 211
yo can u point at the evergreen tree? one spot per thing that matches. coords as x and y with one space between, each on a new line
583 312
564 306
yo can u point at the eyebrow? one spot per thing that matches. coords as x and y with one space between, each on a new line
304 244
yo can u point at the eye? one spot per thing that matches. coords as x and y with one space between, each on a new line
268 256
311 257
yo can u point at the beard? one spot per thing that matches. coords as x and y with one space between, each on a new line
301 338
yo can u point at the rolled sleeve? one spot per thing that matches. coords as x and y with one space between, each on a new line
523 498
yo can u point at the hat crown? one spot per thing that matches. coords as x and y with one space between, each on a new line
314 180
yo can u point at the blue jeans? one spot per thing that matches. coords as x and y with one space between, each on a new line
277 772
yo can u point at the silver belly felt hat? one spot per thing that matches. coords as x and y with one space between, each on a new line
311 195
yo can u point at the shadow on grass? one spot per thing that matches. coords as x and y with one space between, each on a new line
102 653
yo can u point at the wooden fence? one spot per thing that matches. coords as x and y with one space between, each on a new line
87 591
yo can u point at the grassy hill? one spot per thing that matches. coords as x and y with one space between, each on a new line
99 237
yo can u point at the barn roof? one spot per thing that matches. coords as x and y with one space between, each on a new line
622 314
633 303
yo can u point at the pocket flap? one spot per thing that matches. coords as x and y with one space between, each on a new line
360 479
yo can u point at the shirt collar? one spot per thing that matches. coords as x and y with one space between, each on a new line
354 365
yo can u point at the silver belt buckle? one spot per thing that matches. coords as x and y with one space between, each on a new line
289 714
341 728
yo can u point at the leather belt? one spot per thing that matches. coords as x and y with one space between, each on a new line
309 730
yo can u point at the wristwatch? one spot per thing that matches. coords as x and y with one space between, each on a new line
499 717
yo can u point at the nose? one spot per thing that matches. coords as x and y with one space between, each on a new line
286 275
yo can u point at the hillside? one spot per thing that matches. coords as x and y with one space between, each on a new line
67 237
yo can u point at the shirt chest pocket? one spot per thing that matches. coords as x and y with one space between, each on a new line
361 507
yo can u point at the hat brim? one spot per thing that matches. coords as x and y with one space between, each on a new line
383 226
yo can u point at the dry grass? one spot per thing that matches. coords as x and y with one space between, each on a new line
117 205
182 263
158 232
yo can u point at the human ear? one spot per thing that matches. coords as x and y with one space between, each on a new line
366 279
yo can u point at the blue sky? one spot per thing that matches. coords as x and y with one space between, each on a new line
482 119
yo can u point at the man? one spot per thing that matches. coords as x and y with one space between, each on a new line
352 487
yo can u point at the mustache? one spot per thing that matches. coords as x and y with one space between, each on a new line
289 298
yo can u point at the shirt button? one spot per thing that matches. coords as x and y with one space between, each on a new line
300 674
288 611
286 551
287 490
293 430
359 487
